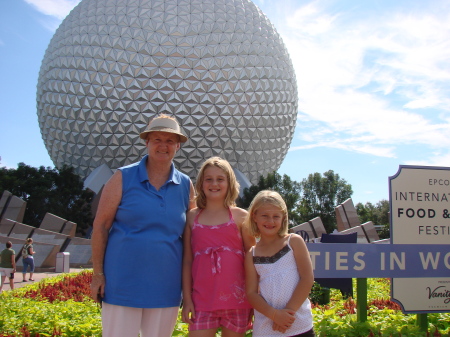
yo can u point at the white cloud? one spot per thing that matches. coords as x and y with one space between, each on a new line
57 8
349 145
50 23
436 159
369 82
311 21
422 103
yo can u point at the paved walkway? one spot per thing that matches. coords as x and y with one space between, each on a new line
36 277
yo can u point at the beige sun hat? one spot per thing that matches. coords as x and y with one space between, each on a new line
163 124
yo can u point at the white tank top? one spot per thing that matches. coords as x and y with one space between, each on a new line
278 277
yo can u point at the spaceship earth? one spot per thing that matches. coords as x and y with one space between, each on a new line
218 66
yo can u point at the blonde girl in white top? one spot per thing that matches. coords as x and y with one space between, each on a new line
279 273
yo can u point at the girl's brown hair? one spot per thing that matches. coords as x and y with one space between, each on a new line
263 198
233 185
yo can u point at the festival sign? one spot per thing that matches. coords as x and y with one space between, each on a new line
420 214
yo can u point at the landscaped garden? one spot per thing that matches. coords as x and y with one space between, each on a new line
61 306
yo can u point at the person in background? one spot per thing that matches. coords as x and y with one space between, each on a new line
7 265
28 259
137 243
279 273
215 243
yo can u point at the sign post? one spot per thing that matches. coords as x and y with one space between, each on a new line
361 298
420 214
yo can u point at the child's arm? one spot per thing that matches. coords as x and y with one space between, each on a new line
304 267
281 317
239 215
188 306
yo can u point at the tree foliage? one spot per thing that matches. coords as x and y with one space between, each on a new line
59 192
321 194
378 214
315 196
289 189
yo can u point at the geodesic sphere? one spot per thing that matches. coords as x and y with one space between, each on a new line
218 66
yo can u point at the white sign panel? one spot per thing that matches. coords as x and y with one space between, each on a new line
420 214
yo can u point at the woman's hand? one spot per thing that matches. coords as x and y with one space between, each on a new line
188 312
98 287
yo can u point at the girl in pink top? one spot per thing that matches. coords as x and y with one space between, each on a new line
215 243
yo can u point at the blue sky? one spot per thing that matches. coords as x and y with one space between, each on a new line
373 79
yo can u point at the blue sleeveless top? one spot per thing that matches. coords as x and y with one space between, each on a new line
143 255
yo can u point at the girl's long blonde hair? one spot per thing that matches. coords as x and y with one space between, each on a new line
233 184
266 197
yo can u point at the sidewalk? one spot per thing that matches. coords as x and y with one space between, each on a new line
36 276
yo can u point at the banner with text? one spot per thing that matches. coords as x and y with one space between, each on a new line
343 260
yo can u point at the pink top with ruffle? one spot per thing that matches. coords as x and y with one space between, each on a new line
218 267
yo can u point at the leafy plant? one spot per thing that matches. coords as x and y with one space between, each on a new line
61 306
58 306
338 318
319 295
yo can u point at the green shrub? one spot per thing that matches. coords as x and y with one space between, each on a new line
61 306
319 295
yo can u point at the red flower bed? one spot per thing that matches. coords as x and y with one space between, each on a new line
75 288
383 303
25 333
349 308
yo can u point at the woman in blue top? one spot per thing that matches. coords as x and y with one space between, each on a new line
136 240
